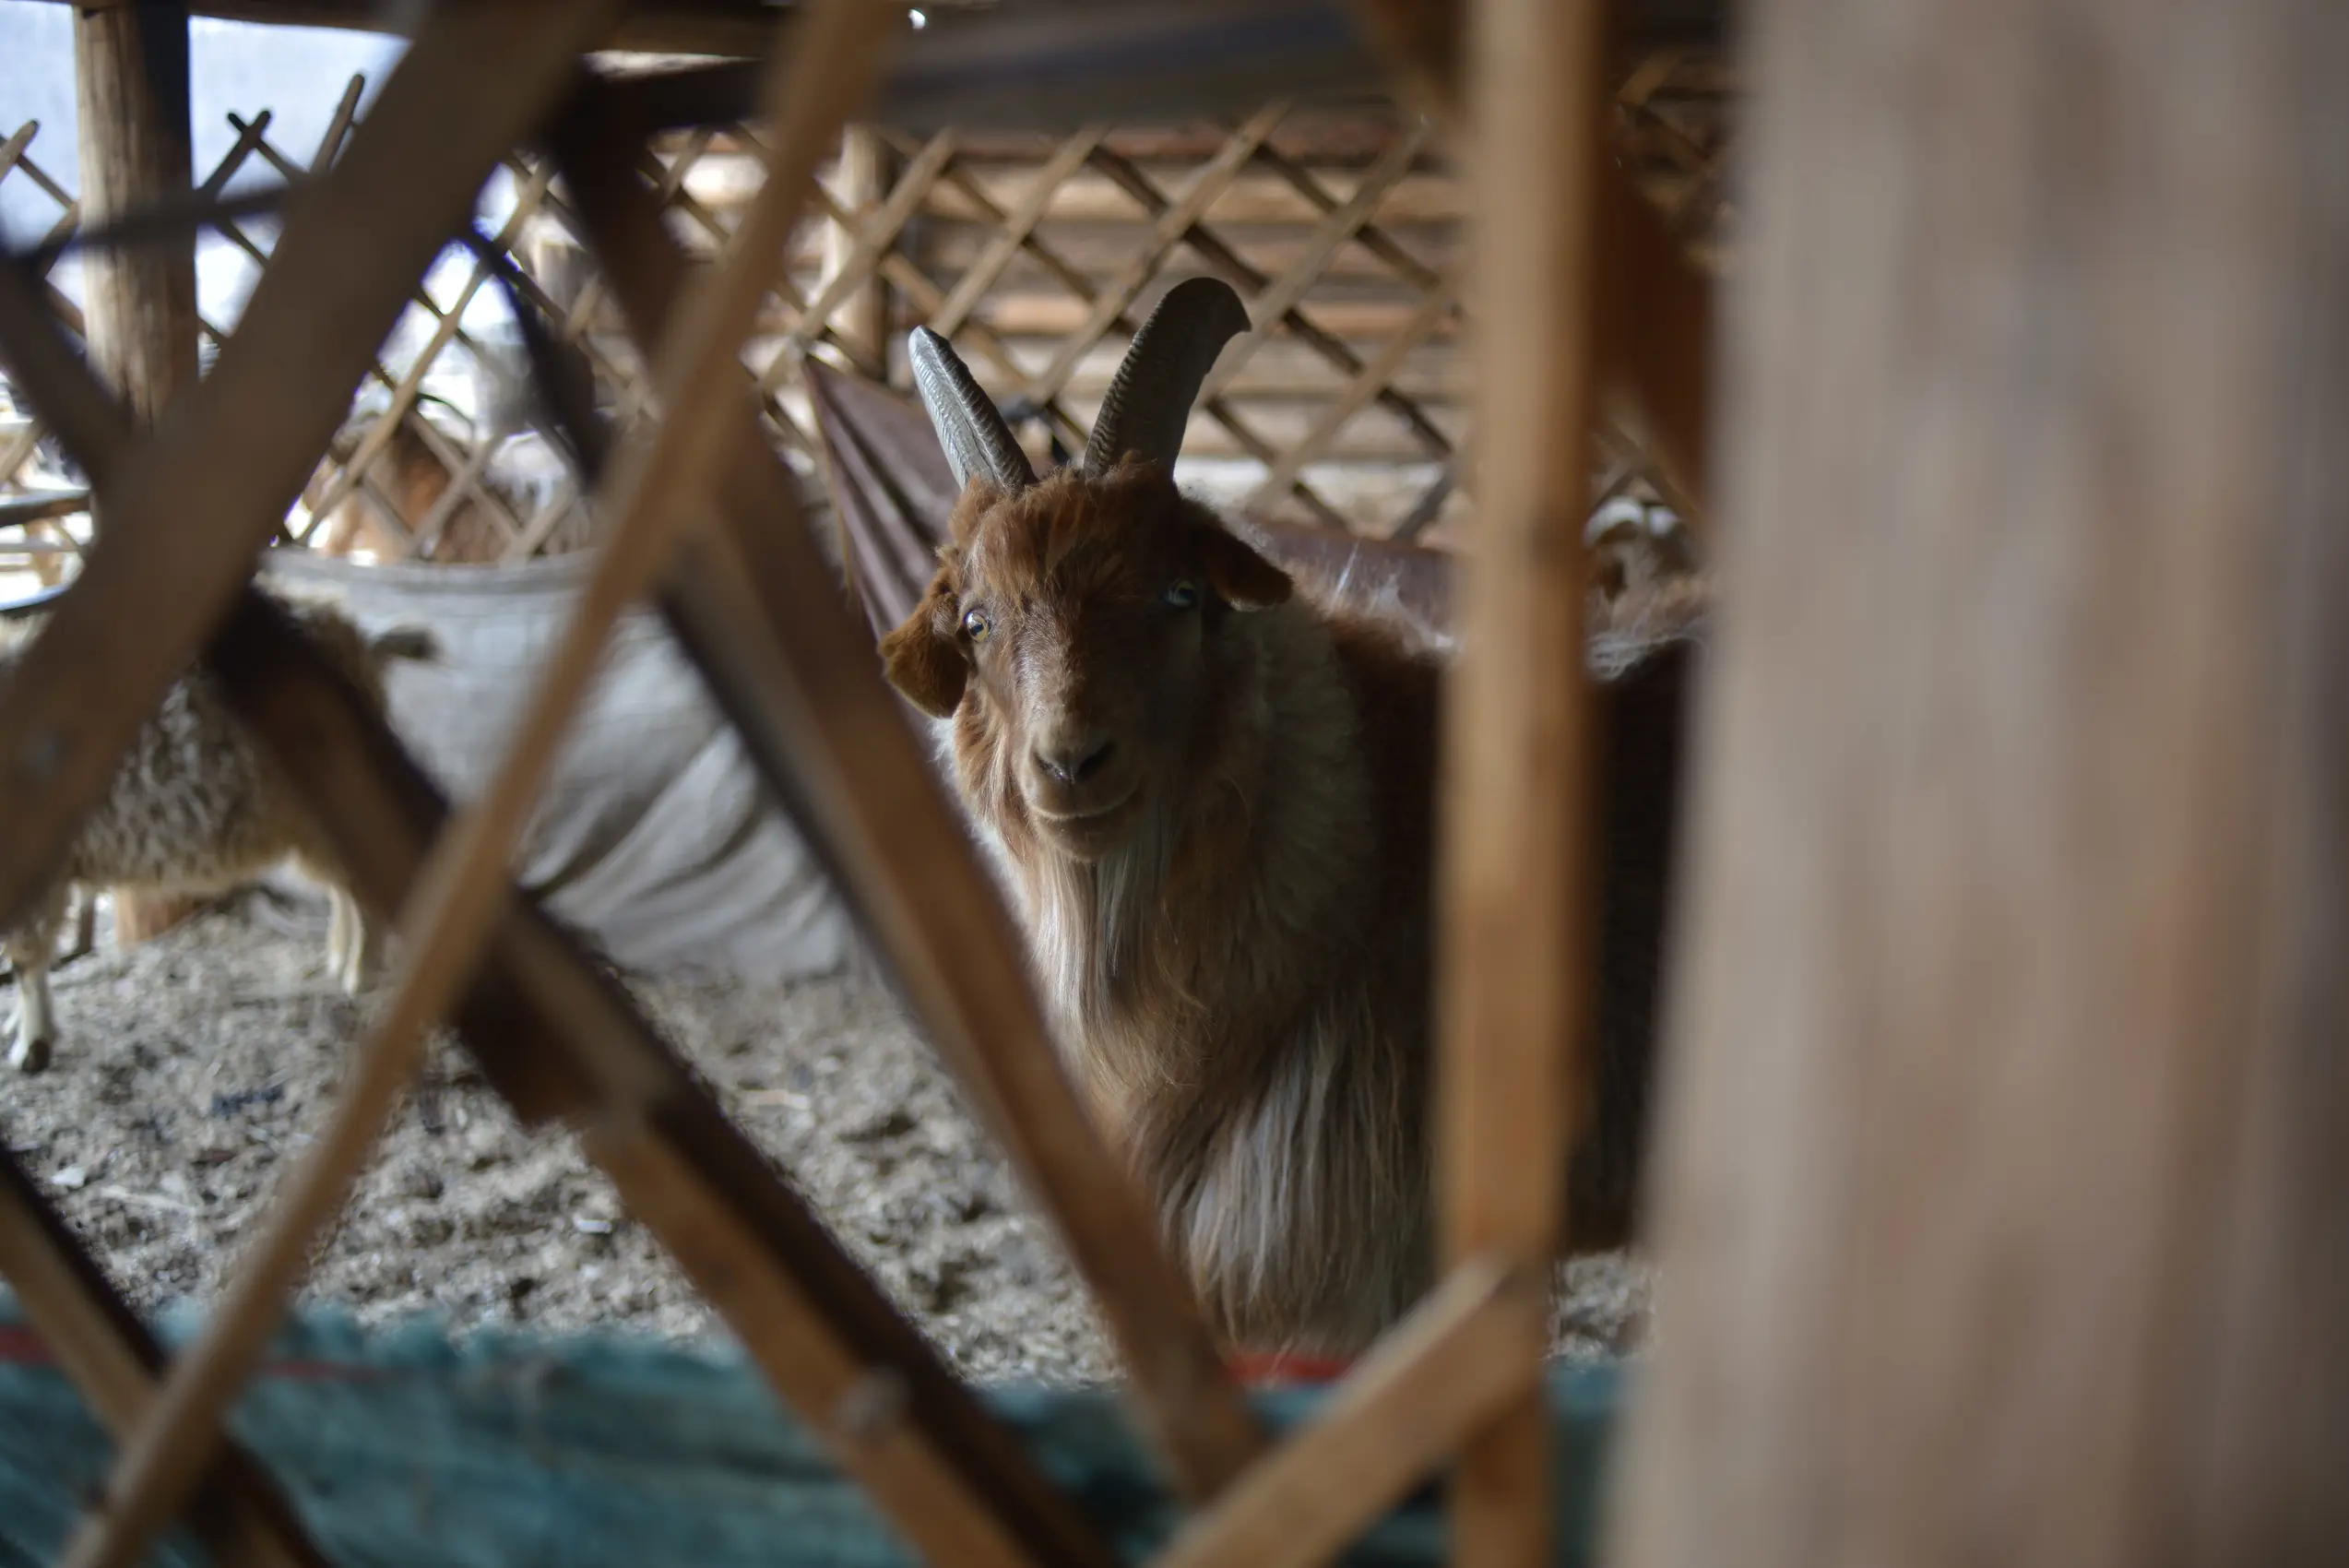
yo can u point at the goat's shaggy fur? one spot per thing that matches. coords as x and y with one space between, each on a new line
195 808
1239 965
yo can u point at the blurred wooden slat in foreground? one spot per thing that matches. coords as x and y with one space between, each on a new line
2002 1203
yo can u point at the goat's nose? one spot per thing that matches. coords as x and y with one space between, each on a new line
1074 761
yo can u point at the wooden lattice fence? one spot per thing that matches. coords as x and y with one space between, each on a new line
1347 406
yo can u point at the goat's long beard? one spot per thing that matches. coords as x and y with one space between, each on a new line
1098 934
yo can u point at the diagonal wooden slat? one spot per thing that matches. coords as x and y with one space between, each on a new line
116 1362
19 447
559 509
1370 236
905 1475
1013 230
681 200
1431 1381
1649 74
338 124
14 147
574 320
1430 504
229 459
1274 301
16 514
17 450
1654 317
1357 395
1219 408
554 1035
1218 253
448 328
924 296
874 237
70 209
1167 232
462 890
824 730
348 479
577 318
463 484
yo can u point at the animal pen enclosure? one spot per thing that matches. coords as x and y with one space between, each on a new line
2003 1136
1338 220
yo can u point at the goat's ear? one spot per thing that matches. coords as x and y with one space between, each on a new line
923 658
1241 577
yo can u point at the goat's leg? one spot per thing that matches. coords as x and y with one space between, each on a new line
29 948
36 1012
85 927
354 942
337 934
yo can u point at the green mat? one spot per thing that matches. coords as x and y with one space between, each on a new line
404 1449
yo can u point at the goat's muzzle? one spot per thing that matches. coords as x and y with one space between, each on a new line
1080 786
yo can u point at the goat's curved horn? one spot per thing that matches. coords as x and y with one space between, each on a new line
979 443
1149 401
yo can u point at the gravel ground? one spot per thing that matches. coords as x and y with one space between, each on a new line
194 1067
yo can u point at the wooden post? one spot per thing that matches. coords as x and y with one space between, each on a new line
2003 1174
130 75
862 319
131 86
1516 912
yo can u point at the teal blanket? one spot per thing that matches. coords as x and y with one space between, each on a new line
403 1450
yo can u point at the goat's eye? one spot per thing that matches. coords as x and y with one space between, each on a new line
976 626
1182 596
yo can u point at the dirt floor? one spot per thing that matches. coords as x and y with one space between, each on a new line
192 1068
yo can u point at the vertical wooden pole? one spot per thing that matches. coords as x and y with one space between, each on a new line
862 319
2003 1174
130 77
131 86
1516 912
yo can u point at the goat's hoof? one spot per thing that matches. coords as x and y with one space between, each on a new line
29 1055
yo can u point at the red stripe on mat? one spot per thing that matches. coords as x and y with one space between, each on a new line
1255 1367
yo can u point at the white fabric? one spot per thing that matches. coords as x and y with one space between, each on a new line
655 837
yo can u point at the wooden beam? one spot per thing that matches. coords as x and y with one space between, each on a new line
857 1408
131 92
555 1035
462 890
554 1031
1430 1383
665 27
113 1360
852 300
1515 943
131 98
757 608
2001 1168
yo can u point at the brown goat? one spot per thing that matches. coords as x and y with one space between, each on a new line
1212 802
